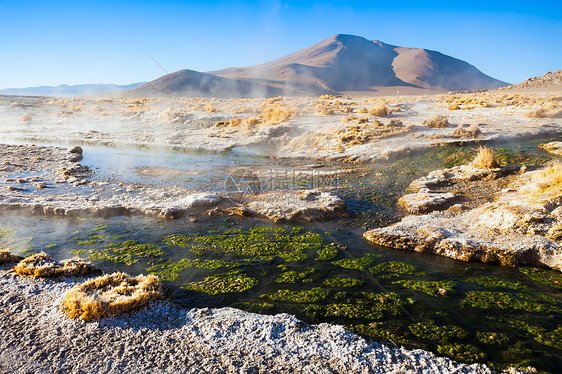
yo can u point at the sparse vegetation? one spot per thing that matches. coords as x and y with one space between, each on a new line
437 122
485 159
7 257
232 281
26 117
463 132
112 294
379 110
43 265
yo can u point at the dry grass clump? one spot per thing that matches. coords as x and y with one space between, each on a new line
233 122
454 106
437 122
379 110
112 294
242 109
467 132
550 177
276 113
356 134
26 117
326 108
7 257
485 159
209 108
274 100
43 265
552 110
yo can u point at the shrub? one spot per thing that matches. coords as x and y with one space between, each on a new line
26 117
437 122
7 257
209 108
379 110
112 294
277 113
43 265
471 132
485 159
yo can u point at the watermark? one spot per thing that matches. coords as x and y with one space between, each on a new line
244 184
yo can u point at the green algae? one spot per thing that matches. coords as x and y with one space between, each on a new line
377 330
254 307
294 276
170 270
497 283
549 277
541 335
360 263
341 282
306 296
328 252
128 252
233 281
353 311
505 301
432 288
393 267
101 227
361 306
430 331
257 241
88 242
462 352
492 338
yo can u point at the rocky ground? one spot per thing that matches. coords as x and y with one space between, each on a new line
518 226
163 338
339 128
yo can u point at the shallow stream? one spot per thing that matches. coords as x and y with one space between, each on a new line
321 272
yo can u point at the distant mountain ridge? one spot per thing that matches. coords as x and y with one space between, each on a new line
339 64
66 90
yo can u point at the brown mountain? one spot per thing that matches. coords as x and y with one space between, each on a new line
340 64
196 84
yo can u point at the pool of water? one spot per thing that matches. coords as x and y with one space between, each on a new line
324 272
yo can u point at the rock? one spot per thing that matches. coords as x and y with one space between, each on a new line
201 200
553 147
425 202
76 149
522 226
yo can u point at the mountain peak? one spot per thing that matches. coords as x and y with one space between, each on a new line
350 63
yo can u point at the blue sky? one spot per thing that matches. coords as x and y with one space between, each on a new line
56 42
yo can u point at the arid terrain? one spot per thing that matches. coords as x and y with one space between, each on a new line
513 218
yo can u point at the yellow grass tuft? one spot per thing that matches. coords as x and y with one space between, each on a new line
43 265
7 257
379 110
26 117
437 122
454 106
471 132
485 159
209 108
112 294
